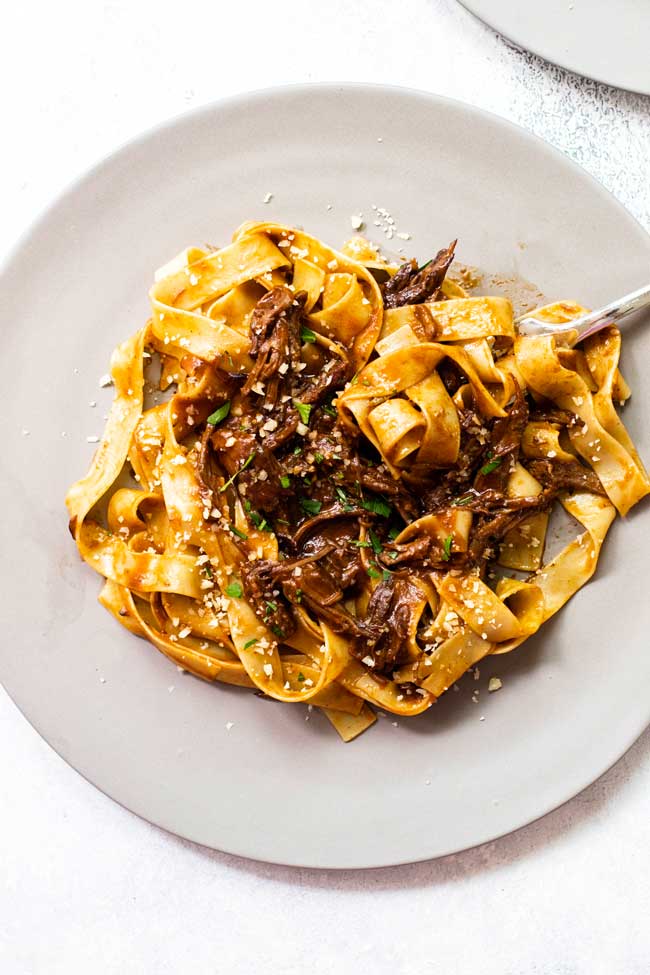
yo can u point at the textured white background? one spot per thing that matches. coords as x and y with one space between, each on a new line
84 885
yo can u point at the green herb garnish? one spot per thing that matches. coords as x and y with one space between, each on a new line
360 544
329 409
310 505
461 501
237 532
426 264
318 457
377 506
298 595
271 607
374 541
306 335
385 575
297 450
373 573
285 481
446 547
247 463
260 523
301 677
208 570
250 643
343 498
491 466
393 532
304 409
234 590
279 632
220 414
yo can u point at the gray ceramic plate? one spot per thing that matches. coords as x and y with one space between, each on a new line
274 786
596 38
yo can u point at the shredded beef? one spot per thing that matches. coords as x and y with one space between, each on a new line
505 442
261 592
491 529
275 340
558 475
411 285
386 624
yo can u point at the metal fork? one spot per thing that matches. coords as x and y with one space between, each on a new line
611 314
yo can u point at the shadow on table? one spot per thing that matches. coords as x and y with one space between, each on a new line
560 77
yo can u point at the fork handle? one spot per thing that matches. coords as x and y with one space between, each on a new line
613 313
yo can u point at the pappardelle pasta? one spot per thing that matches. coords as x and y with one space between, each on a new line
352 460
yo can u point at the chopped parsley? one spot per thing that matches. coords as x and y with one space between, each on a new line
247 463
208 570
360 544
491 466
377 506
279 632
285 481
446 547
219 415
260 523
318 457
385 575
297 450
234 590
461 501
426 264
301 677
237 532
329 409
343 498
306 335
310 505
250 643
298 595
373 573
374 541
271 608
304 410
393 532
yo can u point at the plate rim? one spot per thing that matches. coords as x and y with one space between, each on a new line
243 99
539 52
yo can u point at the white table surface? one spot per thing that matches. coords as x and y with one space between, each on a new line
84 885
